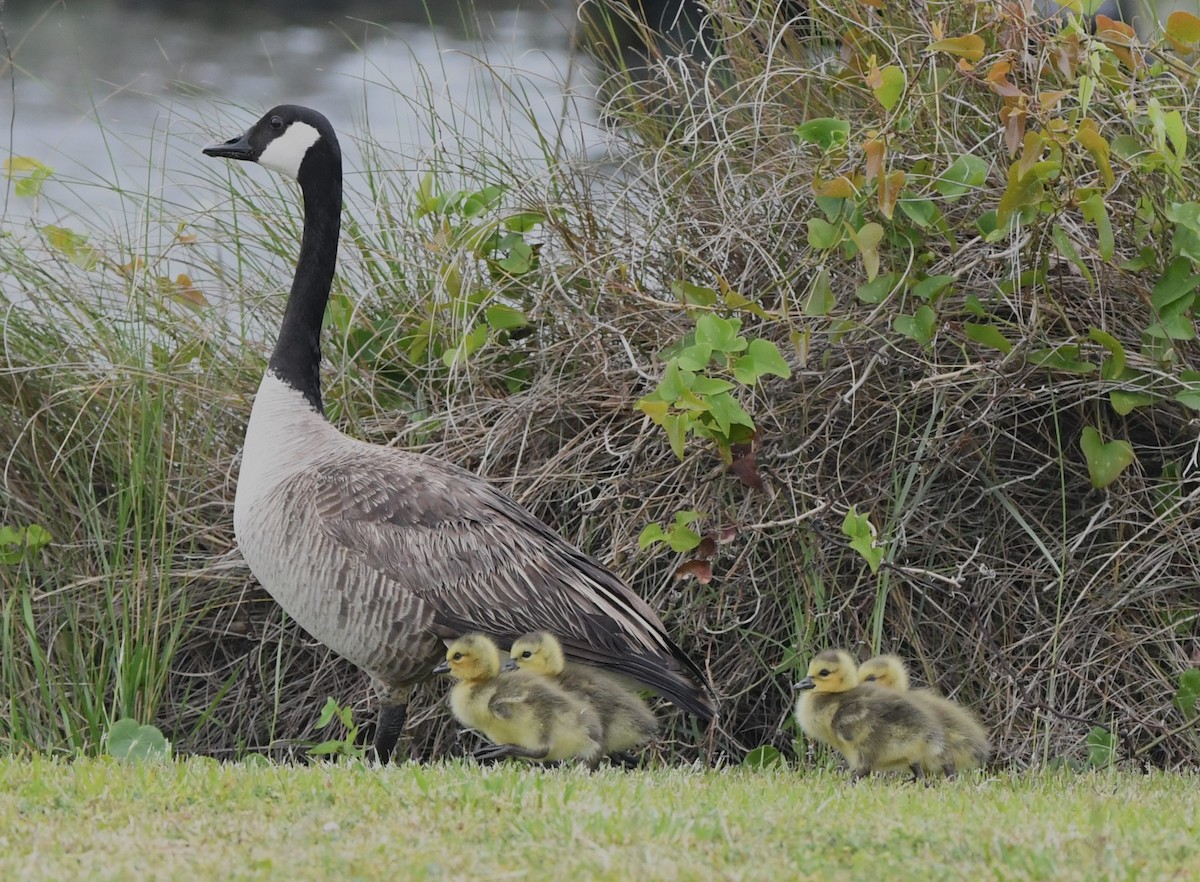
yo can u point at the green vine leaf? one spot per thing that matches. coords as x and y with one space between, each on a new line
826 132
719 333
931 287
964 175
1188 693
16 543
987 335
680 537
1105 461
763 757
762 357
29 174
1113 366
822 235
862 538
1124 402
128 740
820 300
1174 293
877 290
1102 747
919 326
693 295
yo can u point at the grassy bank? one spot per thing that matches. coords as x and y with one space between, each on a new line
197 819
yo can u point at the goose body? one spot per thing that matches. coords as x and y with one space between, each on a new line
967 743
523 714
625 720
874 729
381 554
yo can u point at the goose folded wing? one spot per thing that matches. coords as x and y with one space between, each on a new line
477 561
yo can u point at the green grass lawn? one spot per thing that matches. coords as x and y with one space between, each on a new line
197 819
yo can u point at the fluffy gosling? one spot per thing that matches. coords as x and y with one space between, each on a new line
625 720
523 714
967 744
875 729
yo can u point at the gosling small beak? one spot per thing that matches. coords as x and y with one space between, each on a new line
234 148
806 683
442 668
510 665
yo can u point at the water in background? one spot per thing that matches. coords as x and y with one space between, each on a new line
121 94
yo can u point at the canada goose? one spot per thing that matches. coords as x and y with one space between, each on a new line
380 553
625 720
874 728
967 744
523 714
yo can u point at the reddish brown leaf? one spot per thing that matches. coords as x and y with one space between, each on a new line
997 80
1049 100
1119 37
707 547
1066 54
841 187
700 570
744 465
889 192
1183 31
1012 114
875 150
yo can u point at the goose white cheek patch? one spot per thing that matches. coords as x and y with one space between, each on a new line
286 152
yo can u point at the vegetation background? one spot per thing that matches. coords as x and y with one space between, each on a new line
874 328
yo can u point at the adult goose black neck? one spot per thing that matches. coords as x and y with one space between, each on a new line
296 358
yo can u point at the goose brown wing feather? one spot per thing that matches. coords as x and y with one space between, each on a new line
477 561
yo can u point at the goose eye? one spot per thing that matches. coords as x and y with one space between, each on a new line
824 672
276 122
527 654
457 656
871 678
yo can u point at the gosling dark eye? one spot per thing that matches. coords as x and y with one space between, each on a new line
823 673
457 656
527 654
276 122
871 679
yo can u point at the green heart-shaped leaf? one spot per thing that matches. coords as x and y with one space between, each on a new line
1105 461
763 757
825 132
1102 747
891 86
862 538
1188 692
128 740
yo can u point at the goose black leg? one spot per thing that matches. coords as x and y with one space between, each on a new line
504 751
387 732
624 759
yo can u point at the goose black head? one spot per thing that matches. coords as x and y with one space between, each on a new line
287 139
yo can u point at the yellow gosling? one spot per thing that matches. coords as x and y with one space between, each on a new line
967 743
875 729
524 715
625 720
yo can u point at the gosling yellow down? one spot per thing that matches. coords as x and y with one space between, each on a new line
523 714
967 744
625 720
875 729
